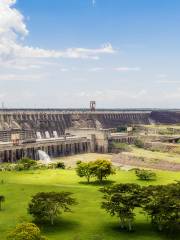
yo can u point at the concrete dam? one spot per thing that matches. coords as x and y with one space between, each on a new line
25 131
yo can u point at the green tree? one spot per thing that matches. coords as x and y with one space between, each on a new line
85 170
143 174
121 200
2 199
26 231
162 204
102 169
48 205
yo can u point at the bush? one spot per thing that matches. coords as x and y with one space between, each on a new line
51 165
54 165
145 174
26 231
7 167
27 163
60 165
139 143
19 167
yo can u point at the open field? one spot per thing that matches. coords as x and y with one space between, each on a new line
88 220
140 157
154 155
70 161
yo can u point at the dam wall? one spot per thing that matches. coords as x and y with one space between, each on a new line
48 124
40 124
24 132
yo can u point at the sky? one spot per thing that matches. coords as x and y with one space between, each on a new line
64 53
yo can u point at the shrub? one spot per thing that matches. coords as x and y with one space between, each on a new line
51 165
60 165
139 143
19 167
27 163
145 174
26 231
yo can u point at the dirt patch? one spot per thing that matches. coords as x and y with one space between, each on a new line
70 161
121 160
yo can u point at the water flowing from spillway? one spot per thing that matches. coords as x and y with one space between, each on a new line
44 157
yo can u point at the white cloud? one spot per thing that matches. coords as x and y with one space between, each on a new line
21 77
112 94
96 69
13 30
127 69
168 81
162 75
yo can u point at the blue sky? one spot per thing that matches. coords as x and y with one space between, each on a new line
64 53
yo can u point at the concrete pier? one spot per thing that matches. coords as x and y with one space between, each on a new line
53 147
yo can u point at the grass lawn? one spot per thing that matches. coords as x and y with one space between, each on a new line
88 220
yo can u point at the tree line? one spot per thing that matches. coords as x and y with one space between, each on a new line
161 203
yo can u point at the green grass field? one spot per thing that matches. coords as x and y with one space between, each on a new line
88 220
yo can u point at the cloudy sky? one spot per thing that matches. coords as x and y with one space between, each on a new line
64 53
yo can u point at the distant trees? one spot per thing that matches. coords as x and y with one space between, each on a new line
99 169
160 203
143 174
2 199
26 231
48 205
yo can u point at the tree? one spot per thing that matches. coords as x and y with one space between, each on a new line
48 205
120 200
102 168
143 174
162 204
2 199
85 170
26 231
